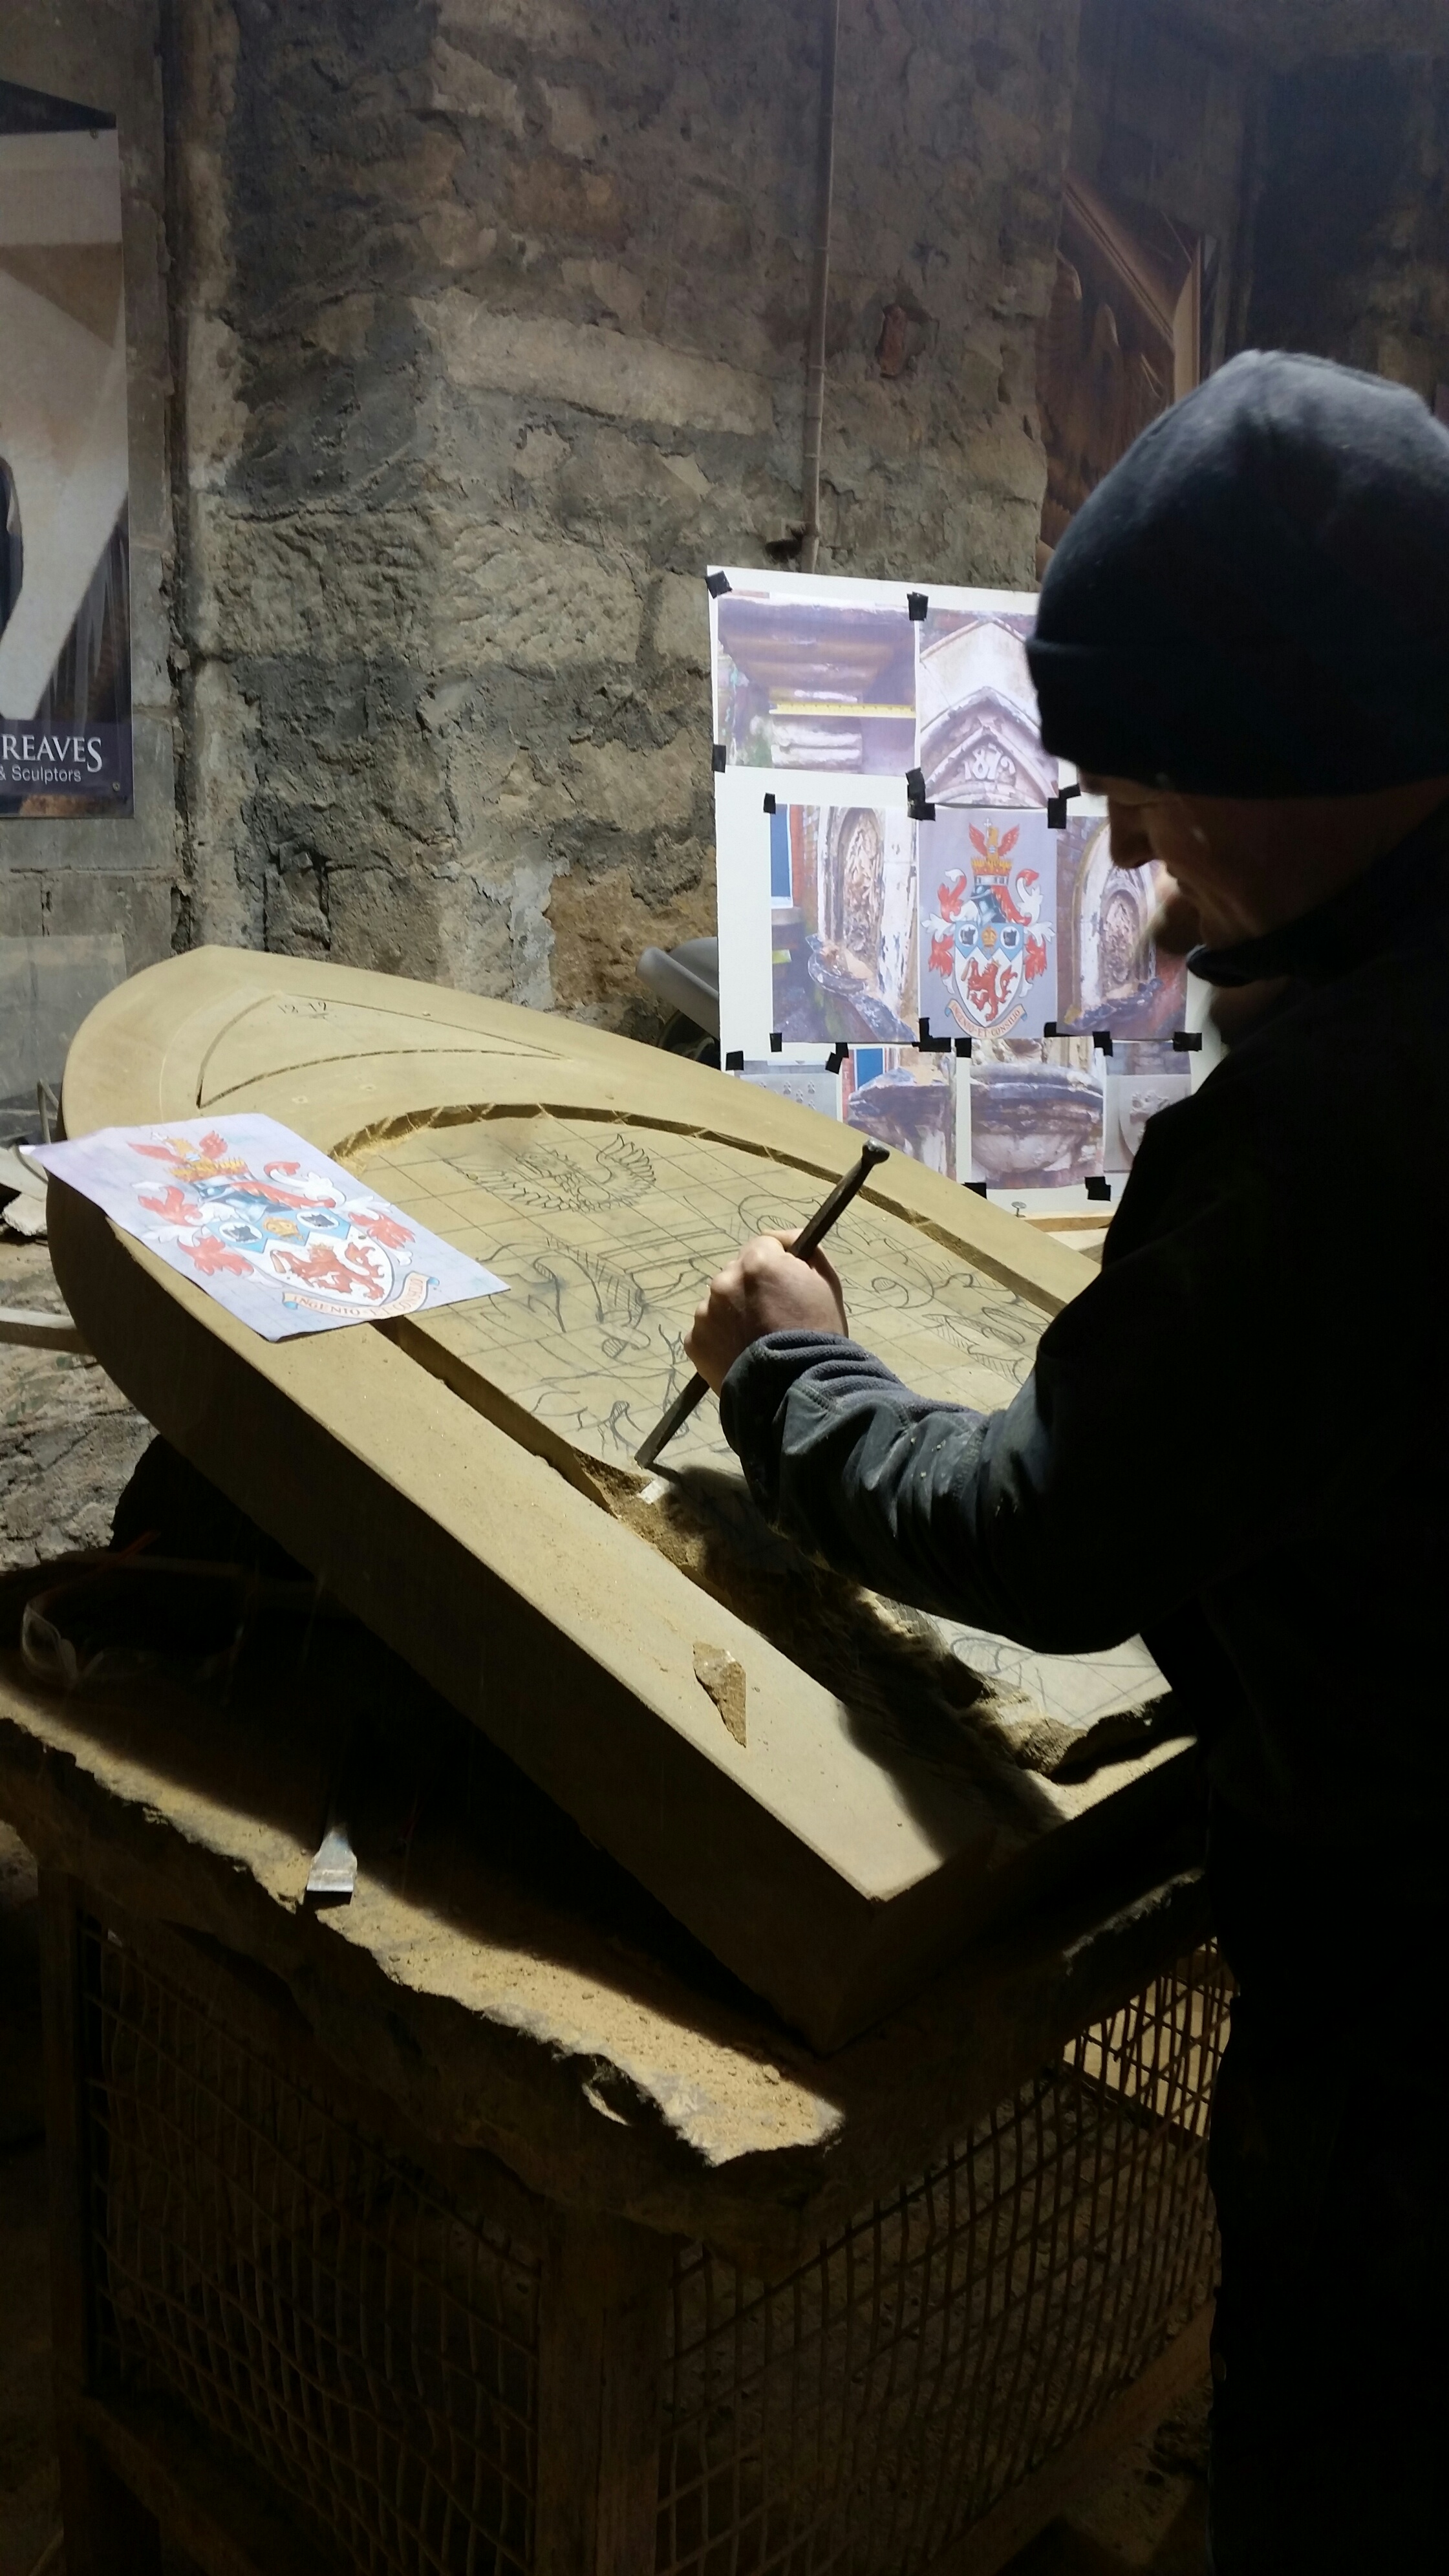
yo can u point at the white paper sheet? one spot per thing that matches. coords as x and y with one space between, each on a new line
282 1238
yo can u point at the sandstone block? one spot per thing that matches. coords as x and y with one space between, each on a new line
681 621
573 124
549 194
1006 462
630 790
667 874
383 919
548 26
296 922
456 235
319 580
622 477
619 374
216 417
462 86
539 455
474 933
22 903
342 326
600 930
534 602
417 178
606 282
491 782
688 471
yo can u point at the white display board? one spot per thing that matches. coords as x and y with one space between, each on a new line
918 931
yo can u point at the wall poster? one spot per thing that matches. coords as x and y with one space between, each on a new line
65 639
916 934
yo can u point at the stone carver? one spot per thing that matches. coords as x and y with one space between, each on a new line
1244 642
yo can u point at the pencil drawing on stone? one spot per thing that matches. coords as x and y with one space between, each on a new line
608 1233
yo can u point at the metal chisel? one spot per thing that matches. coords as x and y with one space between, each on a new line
810 1236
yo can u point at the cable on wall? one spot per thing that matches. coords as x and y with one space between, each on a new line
819 291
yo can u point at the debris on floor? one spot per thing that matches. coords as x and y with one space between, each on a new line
22 1197
1145 2511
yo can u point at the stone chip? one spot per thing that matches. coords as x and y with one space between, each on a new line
723 1676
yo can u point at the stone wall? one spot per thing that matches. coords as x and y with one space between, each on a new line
488 323
493 321
69 1441
89 879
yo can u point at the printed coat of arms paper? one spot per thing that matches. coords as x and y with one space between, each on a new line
282 1238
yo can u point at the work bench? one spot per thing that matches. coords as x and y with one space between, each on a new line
485 2223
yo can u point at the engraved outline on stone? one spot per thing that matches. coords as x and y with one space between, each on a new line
542 1177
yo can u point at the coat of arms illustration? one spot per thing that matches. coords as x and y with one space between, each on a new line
286 1240
273 1220
987 939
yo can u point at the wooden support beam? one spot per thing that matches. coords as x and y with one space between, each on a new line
108 2531
601 2340
40 1329
229 2519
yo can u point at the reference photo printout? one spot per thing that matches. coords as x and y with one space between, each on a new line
921 928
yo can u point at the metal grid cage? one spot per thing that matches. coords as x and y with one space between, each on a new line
322 2302
307 2292
865 2412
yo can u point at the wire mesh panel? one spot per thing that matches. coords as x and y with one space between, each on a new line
318 2299
864 2412
305 2290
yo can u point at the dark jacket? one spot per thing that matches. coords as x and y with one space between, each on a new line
1233 1441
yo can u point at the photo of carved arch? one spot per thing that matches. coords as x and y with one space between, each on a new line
65 644
843 923
815 683
1110 974
977 738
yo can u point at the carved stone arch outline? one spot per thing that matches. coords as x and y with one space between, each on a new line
988 750
977 708
1111 908
852 881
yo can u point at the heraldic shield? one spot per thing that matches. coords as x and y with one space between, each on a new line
988 941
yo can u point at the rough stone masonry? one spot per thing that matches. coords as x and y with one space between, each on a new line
494 315
463 333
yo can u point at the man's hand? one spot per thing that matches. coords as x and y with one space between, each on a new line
763 1290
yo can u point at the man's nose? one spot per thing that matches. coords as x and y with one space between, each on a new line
1130 844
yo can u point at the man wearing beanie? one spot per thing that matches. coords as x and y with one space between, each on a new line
1243 641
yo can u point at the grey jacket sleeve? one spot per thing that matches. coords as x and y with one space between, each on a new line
927 1502
1080 1515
